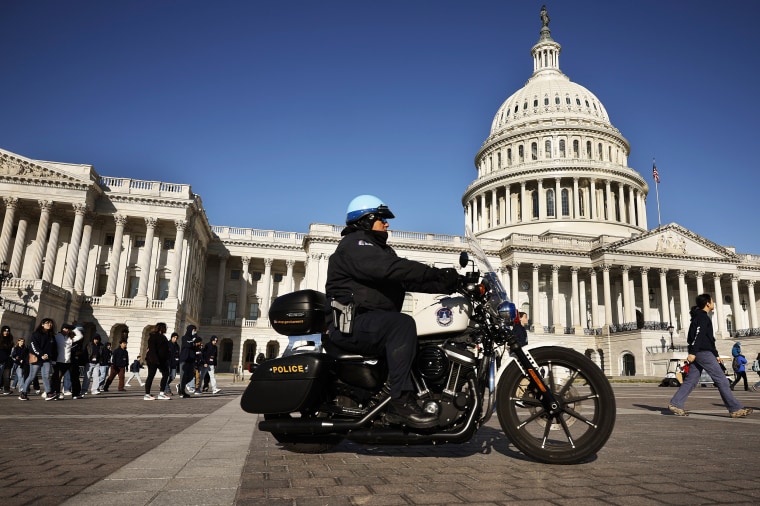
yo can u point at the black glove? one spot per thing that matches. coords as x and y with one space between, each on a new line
450 279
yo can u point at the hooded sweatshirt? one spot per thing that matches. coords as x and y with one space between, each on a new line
187 353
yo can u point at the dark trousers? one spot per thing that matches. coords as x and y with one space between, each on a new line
740 375
76 385
152 368
114 372
59 371
384 333
188 372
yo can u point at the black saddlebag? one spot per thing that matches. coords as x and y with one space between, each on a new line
298 313
287 384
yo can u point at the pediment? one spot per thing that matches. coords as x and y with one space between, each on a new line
13 166
673 240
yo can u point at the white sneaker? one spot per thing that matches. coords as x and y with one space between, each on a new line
196 392
190 389
148 397
95 392
163 397
177 388
126 385
66 393
217 390
44 394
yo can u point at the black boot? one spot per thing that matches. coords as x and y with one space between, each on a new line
406 411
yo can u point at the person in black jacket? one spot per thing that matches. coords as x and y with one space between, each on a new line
157 358
20 358
703 355
94 353
173 361
187 359
210 356
119 362
106 358
364 272
519 330
43 347
6 345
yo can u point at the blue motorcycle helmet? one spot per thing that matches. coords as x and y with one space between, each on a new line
363 210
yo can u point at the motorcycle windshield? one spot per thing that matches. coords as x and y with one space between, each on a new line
498 293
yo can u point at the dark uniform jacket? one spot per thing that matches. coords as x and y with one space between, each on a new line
365 270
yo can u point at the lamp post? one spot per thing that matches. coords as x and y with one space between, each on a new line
670 330
4 276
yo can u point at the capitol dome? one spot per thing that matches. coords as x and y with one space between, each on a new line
554 163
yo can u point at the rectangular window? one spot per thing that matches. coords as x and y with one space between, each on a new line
109 240
548 149
168 243
102 284
163 289
534 151
231 309
134 284
521 153
562 148
139 242
235 274
253 311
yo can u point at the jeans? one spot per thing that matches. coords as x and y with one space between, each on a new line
211 370
706 361
172 375
103 376
92 375
20 378
46 368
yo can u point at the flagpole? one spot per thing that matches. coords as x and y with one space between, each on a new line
657 190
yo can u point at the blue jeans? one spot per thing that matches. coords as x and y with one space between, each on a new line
19 377
172 375
708 362
33 370
91 375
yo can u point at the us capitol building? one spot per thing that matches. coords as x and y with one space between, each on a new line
554 204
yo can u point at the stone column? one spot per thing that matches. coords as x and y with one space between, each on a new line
576 199
621 202
626 295
575 304
557 198
503 273
70 273
645 294
507 205
179 240
683 292
582 303
52 251
554 319
41 240
541 200
608 197
290 283
11 203
493 208
631 207
700 284
592 199
535 306
84 255
523 210
482 223
720 328
109 298
515 282
738 313
752 308
18 246
594 299
664 306
145 261
607 295
267 292
221 279
242 308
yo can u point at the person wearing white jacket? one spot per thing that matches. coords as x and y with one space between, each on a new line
63 342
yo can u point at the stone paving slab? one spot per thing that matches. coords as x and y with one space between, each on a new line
119 449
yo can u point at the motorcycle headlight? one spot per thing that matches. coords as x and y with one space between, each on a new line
508 311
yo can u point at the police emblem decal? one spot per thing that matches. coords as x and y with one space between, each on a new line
444 317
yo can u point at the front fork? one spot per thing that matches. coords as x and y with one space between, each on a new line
529 368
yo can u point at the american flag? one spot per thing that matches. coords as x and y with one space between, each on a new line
655 174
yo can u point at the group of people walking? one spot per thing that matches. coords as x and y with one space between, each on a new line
58 359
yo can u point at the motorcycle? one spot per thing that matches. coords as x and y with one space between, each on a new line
554 404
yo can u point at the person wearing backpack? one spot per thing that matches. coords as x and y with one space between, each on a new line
739 365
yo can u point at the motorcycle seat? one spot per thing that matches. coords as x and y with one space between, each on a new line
341 354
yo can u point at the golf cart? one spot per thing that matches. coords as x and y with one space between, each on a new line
674 374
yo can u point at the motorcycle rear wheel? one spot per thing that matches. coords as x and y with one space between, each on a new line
304 443
586 417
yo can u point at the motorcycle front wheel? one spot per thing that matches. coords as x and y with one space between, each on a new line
584 421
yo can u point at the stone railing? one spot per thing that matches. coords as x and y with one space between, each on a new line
145 188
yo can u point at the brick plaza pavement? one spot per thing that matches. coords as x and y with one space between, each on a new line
119 449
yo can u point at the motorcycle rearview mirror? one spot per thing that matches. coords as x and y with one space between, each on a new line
464 259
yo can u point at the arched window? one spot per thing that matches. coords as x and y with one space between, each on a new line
534 198
509 156
609 153
535 102
577 101
498 159
629 365
550 202
588 150
546 100
547 149
576 148
567 100
521 153
601 152
562 148
565 202
534 151
556 100
581 203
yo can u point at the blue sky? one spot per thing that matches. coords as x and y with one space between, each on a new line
279 112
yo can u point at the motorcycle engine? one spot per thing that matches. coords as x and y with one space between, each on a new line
432 363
